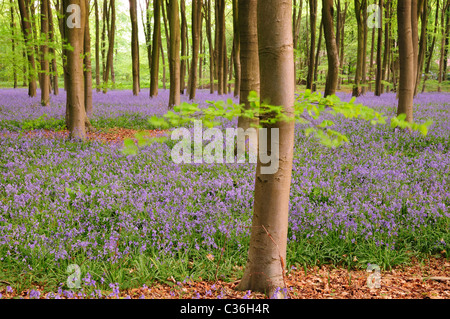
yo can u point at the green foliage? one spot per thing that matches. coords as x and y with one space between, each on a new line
43 122
308 108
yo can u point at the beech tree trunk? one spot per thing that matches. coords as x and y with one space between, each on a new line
76 114
387 46
207 9
431 48
266 262
184 40
312 45
28 37
332 49
109 56
316 59
237 49
174 56
51 35
154 73
248 36
379 75
221 63
45 69
406 59
13 43
196 29
423 13
97 47
87 70
361 18
134 47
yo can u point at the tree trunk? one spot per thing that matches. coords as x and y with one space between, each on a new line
97 47
174 56
332 49
406 59
379 75
360 60
431 48
87 70
442 60
109 56
75 86
341 45
387 46
423 12
237 49
221 63
207 8
267 253
45 69
154 75
316 59
52 50
134 47
184 40
196 29
312 45
13 43
28 37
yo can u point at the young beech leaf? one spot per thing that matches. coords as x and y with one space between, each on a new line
129 148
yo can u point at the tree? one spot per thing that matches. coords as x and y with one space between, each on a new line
196 29
221 47
154 74
267 254
27 34
174 52
13 43
97 47
237 49
111 34
207 13
332 48
407 60
184 42
134 47
74 31
360 76
312 46
87 69
54 72
379 75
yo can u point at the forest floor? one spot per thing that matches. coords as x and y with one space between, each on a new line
420 280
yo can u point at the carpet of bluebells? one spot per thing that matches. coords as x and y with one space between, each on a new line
128 220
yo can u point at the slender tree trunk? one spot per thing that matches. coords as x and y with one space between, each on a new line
28 37
109 56
332 49
196 29
154 75
45 69
341 45
148 34
316 60
431 48
52 50
184 40
13 43
207 9
237 49
423 12
442 60
406 59
76 114
312 45
87 69
221 63
134 47
105 15
372 51
387 46
379 75
174 56
361 57
267 254
163 63
97 47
